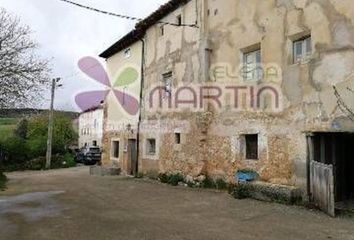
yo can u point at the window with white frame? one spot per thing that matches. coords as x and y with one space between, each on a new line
151 146
251 65
127 53
115 149
302 49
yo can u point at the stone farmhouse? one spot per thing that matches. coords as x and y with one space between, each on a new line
209 87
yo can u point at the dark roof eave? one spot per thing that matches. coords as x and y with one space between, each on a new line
140 28
123 43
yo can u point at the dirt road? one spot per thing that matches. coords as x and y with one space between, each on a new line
70 204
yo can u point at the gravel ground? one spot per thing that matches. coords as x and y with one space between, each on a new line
70 204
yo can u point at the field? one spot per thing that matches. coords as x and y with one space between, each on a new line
7 125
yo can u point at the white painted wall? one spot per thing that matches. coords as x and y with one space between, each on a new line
91 127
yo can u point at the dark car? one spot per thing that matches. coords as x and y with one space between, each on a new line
89 155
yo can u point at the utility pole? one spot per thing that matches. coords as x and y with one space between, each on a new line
51 124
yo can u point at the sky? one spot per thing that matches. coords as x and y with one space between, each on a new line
66 33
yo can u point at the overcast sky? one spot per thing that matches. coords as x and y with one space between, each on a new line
67 33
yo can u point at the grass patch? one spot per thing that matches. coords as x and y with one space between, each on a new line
8 121
6 131
7 126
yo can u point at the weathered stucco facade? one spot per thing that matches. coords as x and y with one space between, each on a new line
124 70
297 99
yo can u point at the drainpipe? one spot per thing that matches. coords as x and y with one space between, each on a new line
140 103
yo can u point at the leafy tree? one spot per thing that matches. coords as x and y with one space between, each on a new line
22 73
63 135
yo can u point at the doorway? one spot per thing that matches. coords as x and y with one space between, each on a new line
132 157
337 150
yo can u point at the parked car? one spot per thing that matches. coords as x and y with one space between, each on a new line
88 155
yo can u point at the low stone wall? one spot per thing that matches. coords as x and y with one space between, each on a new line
269 192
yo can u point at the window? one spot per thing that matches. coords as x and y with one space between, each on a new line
302 49
94 143
115 149
162 30
127 53
179 20
167 81
151 146
251 65
177 138
251 146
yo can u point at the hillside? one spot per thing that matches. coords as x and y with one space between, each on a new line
27 112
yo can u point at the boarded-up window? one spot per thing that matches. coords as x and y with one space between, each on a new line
251 146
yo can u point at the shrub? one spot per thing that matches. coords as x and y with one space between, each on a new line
3 180
69 160
191 184
208 183
221 184
57 162
174 179
35 164
241 191
163 177
15 150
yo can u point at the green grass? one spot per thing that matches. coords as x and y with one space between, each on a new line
8 121
7 126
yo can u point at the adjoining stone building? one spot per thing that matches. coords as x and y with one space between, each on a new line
246 84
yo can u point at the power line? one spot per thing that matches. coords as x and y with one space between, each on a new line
125 16
74 74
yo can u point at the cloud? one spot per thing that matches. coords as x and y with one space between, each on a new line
67 33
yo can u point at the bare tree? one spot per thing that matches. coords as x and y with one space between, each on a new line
22 73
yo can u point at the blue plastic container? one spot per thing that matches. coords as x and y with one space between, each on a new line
246 176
